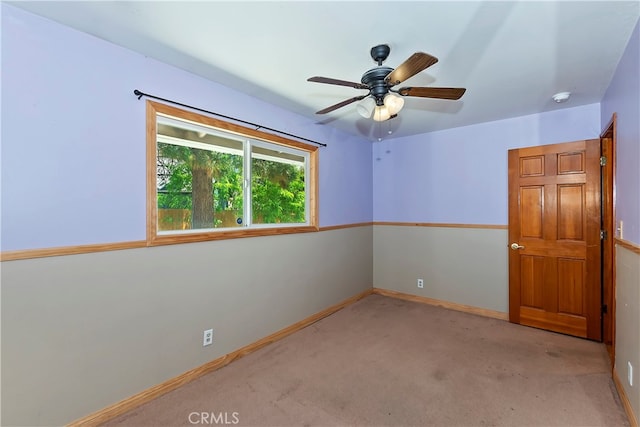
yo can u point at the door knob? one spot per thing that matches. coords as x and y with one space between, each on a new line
516 246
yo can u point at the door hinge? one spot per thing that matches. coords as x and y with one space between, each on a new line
604 308
603 161
603 234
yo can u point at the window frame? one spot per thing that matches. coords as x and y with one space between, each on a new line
154 237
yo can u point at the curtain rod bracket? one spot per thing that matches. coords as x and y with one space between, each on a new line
140 94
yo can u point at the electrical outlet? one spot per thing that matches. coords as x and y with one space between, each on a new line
207 337
420 283
630 374
620 234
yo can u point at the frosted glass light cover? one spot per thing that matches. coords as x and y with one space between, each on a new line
381 113
366 106
393 103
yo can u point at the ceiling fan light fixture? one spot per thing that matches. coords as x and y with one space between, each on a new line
366 106
381 113
393 103
379 81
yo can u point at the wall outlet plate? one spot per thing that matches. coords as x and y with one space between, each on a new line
420 283
207 337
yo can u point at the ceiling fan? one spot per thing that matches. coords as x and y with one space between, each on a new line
380 81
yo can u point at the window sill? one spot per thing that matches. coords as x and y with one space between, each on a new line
170 239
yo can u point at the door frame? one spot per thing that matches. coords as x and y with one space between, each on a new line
608 194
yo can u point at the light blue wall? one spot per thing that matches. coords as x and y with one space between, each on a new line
623 98
73 173
73 137
460 175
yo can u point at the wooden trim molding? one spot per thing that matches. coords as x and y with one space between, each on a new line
102 247
442 225
154 392
69 250
444 304
628 245
633 420
608 144
167 240
199 117
341 226
151 173
172 239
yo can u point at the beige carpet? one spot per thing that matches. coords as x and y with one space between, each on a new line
388 362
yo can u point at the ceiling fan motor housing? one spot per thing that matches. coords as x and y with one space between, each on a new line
374 78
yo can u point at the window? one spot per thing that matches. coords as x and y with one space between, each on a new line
210 179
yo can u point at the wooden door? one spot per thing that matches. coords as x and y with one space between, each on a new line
554 238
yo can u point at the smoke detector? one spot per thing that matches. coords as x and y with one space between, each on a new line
561 97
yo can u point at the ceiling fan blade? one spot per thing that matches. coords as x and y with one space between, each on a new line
417 62
341 104
337 82
433 92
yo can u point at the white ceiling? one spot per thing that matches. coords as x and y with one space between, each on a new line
512 56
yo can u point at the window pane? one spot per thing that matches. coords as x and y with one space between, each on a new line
219 180
277 187
199 179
